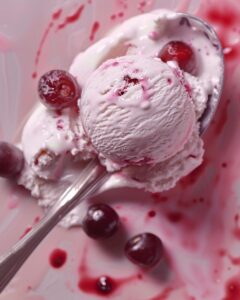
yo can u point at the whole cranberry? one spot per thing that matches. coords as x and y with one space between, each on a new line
58 89
11 160
144 249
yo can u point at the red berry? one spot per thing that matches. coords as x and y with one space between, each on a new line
180 52
145 249
105 285
58 89
101 221
11 160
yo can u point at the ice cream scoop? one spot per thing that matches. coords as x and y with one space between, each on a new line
94 175
136 110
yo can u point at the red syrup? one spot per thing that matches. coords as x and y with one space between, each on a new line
74 17
103 285
55 16
95 28
29 228
232 289
175 217
58 258
151 214
71 18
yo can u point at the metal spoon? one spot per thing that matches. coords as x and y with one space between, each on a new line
88 182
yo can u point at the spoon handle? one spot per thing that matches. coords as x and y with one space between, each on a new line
89 180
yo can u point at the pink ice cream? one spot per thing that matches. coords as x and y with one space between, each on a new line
138 113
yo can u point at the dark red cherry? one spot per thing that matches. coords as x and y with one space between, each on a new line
144 249
101 221
58 89
11 160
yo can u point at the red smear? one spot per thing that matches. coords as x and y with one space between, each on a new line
159 198
224 165
121 14
232 289
58 258
164 295
151 214
113 17
224 17
27 230
34 75
56 15
222 118
37 219
72 18
90 284
175 217
42 42
94 30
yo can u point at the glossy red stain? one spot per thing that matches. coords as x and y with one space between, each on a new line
58 258
72 18
175 217
232 289
95 28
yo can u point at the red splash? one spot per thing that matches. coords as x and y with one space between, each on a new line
34 75
55 16
71 18
232 289
29 228
121 14
225 17
164 295
90 284
26 231
95 28
42 42
58 258
175 217
151 213
159 198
